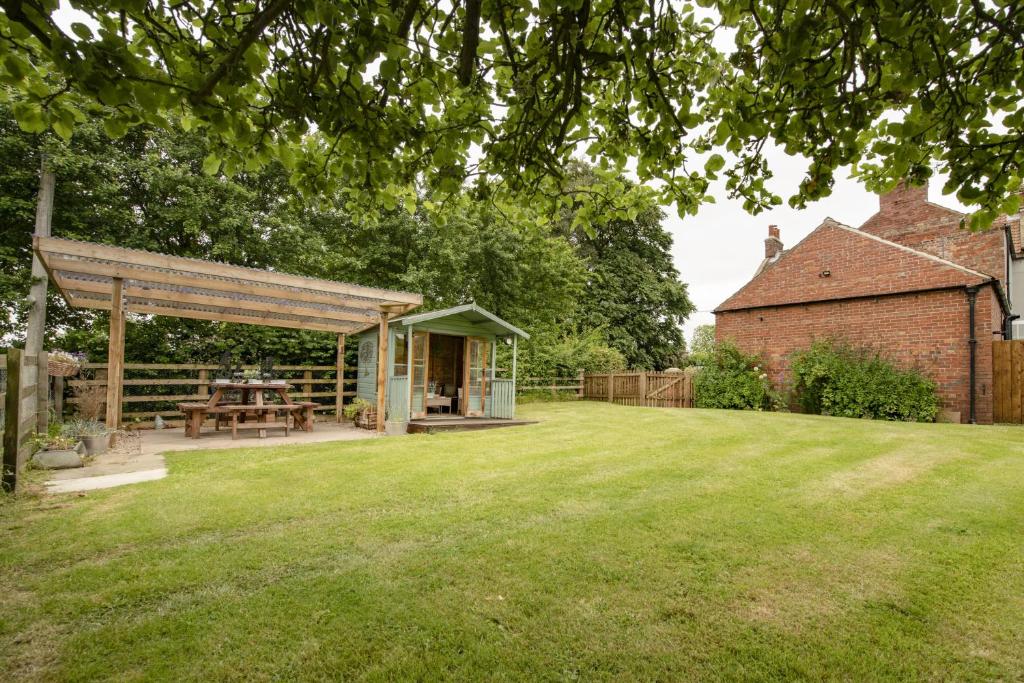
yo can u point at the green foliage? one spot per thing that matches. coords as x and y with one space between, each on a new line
79 427
357 406
732 379
702 346
835 378
570 354
370 99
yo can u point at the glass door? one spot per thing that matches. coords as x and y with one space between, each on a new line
418 362
476 375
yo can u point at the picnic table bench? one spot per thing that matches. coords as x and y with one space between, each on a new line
299 412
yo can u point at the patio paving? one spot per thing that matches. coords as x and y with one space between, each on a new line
139 455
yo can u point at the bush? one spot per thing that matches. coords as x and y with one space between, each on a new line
732 379
834 378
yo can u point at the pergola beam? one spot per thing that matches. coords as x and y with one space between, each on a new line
145 259
132 291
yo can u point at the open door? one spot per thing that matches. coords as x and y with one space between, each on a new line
418 363
476 375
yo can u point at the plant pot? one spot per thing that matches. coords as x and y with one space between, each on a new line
221 381
278 382
57 460
395 427
61 368
254 381
96 444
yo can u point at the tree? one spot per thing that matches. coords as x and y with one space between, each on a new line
373 97
633 291
702 344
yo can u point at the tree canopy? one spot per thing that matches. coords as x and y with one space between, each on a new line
371 98
144 190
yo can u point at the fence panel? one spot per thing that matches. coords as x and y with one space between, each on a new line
1008 381
153 389
639 388
21 404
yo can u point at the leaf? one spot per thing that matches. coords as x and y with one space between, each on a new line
211 164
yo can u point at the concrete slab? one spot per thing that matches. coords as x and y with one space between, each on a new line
138 455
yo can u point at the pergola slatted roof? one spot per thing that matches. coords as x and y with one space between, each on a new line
152 283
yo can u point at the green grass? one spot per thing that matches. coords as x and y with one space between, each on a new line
605 543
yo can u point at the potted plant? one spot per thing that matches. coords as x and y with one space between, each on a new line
63 364
56 450
268 372
362 412
93 434
253 376
225 371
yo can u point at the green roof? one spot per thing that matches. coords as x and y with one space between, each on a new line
484 319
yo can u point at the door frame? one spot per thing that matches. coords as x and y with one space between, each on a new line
464 408
412 371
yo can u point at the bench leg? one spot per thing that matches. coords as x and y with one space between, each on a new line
197 423
309 419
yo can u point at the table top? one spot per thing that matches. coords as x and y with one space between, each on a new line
247 385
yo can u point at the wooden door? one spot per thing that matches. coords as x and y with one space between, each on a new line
475 380
418 374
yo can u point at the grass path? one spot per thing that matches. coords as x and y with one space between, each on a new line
605 543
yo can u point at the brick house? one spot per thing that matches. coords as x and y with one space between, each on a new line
907 283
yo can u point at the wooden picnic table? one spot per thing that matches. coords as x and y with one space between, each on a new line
300 412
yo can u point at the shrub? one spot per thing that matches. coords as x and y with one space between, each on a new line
834 378
732 379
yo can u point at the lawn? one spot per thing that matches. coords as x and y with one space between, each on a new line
604 543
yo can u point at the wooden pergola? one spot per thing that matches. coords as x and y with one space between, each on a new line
123 281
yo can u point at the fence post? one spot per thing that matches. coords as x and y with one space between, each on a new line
203 388
611 386
58 398
580 380
642 387
12 420
42 392
307 384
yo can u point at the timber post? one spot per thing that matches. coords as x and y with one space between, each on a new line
115 356
382 370
13 420
339 379
642 387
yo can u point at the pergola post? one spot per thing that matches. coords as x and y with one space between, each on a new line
382 370
115 356
339 382
515 357
408 371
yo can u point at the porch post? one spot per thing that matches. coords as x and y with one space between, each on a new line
515 357
115 355
409 370
382 370
339 380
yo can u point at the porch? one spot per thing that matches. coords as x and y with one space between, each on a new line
459 423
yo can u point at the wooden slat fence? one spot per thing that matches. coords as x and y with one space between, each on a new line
557 386
640 388
1008 381
21 414
152 389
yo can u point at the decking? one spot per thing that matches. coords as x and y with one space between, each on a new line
432 425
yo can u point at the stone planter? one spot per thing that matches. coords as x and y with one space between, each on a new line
395 427
96 444
57 460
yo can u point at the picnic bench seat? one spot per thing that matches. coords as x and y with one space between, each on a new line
195 413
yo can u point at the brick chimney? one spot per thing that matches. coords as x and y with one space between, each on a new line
903 195
772 244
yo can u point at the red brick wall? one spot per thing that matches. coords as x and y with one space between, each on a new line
856 264
905 216
927 331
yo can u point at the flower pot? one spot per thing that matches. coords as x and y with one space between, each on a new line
279 382
254 381
57 460
96 444
220 380
59 368
395 427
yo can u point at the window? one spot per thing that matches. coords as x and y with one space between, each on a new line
401 356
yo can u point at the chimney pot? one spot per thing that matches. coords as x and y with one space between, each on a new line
773 243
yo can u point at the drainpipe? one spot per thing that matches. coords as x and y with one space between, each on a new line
972 343
1008 326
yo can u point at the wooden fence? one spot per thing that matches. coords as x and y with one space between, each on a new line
639 388
1008 381
24 411
557 386
154 389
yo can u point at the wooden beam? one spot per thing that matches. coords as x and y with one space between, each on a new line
339 378
147 259
222 300
409 370
115 357
58 265
382 370
515 358
81 302
12 417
